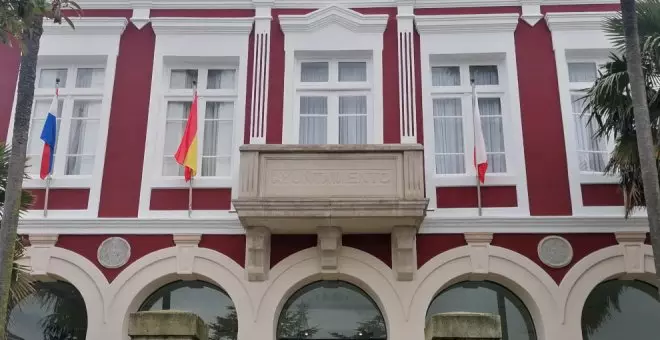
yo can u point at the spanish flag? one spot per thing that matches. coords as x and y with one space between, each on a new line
186 155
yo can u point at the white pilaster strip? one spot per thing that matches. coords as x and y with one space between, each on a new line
260 73
406 48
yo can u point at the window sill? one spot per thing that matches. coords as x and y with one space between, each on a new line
597 178
65 182
198 182
471 180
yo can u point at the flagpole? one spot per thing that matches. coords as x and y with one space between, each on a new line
49 177
192 175
474 140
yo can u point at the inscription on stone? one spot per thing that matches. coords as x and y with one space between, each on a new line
330 177
114 252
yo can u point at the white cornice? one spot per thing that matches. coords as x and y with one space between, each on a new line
184 26
347 18
472 23
580 2
229 225
577 21
87 26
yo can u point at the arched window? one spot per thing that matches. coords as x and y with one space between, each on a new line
209 302
55 311
619 309
331 310
487 297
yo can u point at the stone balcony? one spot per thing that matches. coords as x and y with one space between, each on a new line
329 190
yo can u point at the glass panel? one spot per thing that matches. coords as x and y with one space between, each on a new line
487 297
218 134
82 137
330 310
592 151
493 131
582 72
55 311
183 79
621 310
446 76
221 79
353 120
210 302
352 71
448 132
313 120
484 75
48 77
314 72
90 78
177 116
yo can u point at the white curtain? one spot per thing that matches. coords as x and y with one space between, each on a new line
592 151
491 124
314 72
47 77
352 71
90 78
221 79
313 120
353 120
183 79
82 137
218 139
448 131
582 72
177 115
446 76
484 75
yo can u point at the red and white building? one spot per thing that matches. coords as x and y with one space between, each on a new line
386 226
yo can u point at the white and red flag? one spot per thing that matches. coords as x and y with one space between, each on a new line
480 159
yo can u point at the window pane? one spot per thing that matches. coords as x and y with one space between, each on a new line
90 78
86 109
183 79
82 138
448 132
592 151
581 72
484 75
491 125
313 120
221 79
314 72
48 77
218 136
353 120
177 115
578 103
178 110
446 76
352 71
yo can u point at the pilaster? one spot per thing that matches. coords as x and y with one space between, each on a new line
260 71
40 255
257 257
406 56
404 252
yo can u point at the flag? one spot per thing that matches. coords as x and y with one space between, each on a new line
480 159
49 136
186 155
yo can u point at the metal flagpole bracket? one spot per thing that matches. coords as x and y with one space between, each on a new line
474 142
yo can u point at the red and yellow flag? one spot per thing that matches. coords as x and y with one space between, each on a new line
186 155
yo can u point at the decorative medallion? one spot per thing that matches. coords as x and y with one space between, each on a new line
114 252
555 251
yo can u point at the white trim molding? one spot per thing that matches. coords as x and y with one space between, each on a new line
260 75
531 11
484 39
333 32
578 37
184 42
407 84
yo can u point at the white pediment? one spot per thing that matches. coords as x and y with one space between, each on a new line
334 15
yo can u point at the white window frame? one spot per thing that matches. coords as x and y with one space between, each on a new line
474 39
94 43
333 89
333 33
183 43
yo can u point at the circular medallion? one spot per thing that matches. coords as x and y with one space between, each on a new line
555 251
114 252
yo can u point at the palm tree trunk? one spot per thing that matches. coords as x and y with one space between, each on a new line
645 143
25 96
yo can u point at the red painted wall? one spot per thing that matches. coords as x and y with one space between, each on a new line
431 245
580 8
61 199
9 64
466 197
203 199
231 245
601 195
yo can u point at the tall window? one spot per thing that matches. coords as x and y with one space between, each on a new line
333 102
592 152
78 113
216 88
453 120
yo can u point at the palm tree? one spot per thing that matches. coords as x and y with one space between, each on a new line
21 20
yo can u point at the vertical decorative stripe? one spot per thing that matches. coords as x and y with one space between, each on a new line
260 77
407 108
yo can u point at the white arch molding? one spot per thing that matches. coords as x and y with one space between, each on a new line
144 276
602 265
77 270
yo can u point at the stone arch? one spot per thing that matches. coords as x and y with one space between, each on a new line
146 275
355 266
60 263
519 274
599 266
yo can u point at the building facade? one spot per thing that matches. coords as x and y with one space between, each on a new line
336 196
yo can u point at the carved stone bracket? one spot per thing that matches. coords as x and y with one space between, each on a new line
479 244
185 258
404 252
329 246
40 255
631 244
257 253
